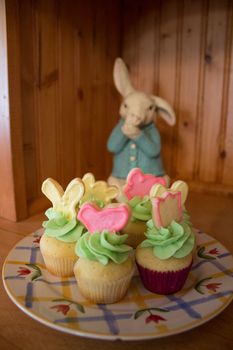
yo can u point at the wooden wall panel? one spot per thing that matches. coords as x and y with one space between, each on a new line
112 101
29 82
130 38
179 50
167 80
192 29
213 87
97 109
12 184
6 176
226 149
68 99
67 93
47 92
194 74
97 114
148 48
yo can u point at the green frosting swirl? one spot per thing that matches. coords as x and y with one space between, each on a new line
58 226
177 240
141 208
103 247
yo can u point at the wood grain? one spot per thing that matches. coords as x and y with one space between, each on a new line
67 94
63 103
227 140
112 101
186 131
29 104
47 89
12 185
130 38
168 73
214 64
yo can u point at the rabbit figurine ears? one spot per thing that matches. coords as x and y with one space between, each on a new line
139 100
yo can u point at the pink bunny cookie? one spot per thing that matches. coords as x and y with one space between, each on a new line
112 218
167 203
139 184
166 208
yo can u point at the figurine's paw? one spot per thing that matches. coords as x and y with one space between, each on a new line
130 131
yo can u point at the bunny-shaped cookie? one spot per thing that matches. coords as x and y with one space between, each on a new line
67 201
168 203
135 141
98 191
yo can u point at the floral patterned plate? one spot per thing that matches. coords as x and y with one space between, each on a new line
57 303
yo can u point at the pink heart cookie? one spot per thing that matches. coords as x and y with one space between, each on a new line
166 208
111 218
139 184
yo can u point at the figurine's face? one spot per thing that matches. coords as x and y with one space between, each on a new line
137 109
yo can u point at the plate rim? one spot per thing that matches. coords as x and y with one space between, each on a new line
106 336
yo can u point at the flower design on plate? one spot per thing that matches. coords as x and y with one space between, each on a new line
37 240
201 287
61 308
213 286
151 317
209 255
23 271
213 251
33 269
65 308
154 318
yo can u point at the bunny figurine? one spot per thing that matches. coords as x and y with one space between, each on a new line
135 140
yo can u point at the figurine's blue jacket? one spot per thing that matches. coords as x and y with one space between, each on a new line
142 152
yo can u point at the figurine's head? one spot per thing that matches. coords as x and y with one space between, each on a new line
138 107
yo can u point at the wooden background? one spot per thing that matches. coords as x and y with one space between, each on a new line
179 50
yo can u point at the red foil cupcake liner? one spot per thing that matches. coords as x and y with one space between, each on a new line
163 282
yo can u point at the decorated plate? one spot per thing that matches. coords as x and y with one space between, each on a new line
57 303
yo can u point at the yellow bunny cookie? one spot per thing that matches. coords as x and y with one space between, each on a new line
97 191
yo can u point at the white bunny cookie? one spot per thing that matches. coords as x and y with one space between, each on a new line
135 141
67 201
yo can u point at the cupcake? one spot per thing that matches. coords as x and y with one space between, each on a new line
165 257
104 268
62 229
136 190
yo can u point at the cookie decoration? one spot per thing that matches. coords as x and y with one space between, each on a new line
166 208
97 191
168 203
178 186
111 218
64 201
139 184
